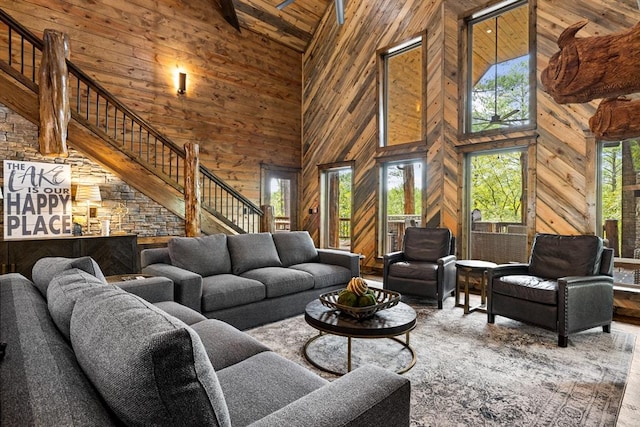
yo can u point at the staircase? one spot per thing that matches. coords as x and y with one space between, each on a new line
105 130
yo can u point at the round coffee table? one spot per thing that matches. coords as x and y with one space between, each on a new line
389 323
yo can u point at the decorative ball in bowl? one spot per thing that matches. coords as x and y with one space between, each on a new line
358 300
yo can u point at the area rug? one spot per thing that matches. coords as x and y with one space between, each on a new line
471 373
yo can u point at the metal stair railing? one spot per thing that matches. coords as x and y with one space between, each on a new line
94 107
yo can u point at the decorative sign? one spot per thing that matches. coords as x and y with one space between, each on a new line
37 200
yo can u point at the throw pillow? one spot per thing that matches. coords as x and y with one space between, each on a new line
63 291
251 251
295 247
206 256
150 368
46 268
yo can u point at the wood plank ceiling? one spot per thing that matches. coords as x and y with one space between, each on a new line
293 26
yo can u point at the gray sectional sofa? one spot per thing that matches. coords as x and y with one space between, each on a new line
83 352
250 279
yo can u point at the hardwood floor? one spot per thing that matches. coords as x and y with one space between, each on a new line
630 408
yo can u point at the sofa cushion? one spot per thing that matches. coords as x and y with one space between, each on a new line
253 250
206 255
179 311
226 290
269 382
554 256
63 291
46 268
295 247
226 345
149 367
414 270
530 288
325 275
426 244
280 281
41 382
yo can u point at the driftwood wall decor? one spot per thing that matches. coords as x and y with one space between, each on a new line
588 68
616 119
54 94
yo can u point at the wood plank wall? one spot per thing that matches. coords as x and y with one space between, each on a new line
340 113
243 100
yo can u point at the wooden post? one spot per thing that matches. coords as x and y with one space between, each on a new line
267 222
53 94
409 185
611 234
191 190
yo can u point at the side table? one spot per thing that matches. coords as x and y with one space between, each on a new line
468 267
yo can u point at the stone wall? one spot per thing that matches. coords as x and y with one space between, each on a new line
19 141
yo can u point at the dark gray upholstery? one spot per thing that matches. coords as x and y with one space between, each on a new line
249 251
46 268
64 290
295 247
226 345
204 255
566 287
263 384
426 265
266 288
40 379
280 281
150 368
226 290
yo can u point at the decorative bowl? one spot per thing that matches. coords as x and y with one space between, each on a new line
385 299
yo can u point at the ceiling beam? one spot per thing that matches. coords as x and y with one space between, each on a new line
229 13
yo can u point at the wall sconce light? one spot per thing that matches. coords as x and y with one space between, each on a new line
182 83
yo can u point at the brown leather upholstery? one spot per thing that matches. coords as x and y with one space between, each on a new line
566 287
426 265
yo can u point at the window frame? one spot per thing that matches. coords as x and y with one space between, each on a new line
466 120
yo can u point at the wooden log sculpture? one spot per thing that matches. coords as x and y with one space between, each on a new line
616 119
54 94
593 67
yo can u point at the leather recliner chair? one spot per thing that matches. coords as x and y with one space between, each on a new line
566 287
426 267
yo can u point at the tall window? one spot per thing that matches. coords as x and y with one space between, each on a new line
401 118
401 201
500 80
619 202
496 202
335 201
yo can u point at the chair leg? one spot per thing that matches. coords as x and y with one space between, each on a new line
439 305
491 318
562 341
606 328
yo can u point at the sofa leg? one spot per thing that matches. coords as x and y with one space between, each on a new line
491 318
439 305
606 328
562 341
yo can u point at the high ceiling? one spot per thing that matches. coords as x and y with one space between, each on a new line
292 26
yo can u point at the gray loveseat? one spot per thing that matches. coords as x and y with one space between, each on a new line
250 279
83 352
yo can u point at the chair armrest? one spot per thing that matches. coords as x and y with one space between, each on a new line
342 258
152 289
584 302
187 285
367 396
388 259
446 260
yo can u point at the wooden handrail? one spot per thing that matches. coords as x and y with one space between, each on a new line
96 108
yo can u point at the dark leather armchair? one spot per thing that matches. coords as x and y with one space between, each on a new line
426 267
566 287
